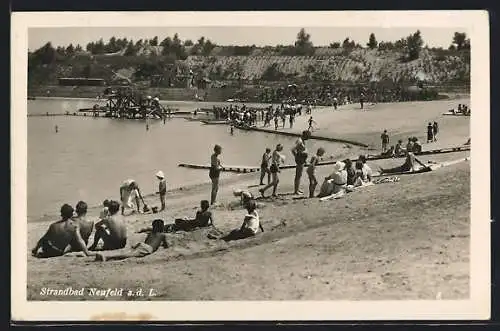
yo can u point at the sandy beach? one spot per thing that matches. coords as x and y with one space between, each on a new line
403 240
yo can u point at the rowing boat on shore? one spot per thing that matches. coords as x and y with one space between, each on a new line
214 122
429 152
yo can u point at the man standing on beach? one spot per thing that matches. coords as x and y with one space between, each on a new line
300 154
385 140
435 130
129 190
214 173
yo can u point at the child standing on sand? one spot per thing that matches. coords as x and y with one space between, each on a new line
153 241
162 188
311 171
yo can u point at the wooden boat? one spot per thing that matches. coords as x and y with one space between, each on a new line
429 152
455 114
214 122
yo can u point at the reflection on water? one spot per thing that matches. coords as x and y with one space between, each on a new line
89 157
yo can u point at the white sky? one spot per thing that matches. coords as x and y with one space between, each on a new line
236 35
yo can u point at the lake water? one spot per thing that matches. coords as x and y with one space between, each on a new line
89 157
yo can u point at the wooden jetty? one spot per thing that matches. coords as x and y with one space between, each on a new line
249 169
292 134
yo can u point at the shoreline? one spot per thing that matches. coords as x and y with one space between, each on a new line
321 112
408 239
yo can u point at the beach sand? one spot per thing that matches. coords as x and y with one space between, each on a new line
404 240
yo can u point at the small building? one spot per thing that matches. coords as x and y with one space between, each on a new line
78 81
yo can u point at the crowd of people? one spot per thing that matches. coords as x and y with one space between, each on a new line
329 94
413 145
461 110
250 116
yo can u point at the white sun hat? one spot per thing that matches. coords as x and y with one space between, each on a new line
160 174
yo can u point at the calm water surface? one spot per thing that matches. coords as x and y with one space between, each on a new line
90 157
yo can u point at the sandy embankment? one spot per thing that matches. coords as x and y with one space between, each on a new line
405 240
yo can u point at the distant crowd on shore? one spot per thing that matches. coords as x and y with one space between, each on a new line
250 116
326 94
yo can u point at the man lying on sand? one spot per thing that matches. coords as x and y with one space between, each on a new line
112 230
56 241
250 226
409 165
153 241
204 217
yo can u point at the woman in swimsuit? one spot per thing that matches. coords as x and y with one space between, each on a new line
214 173
276 160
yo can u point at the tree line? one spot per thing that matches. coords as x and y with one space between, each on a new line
174 47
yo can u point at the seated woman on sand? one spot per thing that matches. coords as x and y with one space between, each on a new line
336 182
361 177
410 165
153 241
250 226
399 150
112 230
58 238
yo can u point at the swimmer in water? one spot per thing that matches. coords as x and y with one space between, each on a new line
57 129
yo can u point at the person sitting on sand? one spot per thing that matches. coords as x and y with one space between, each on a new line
409 145
276 159
112 230
361 177
410 165
104 213
398 149
367 171
417 146
129 190
250 226
244 195
351 172
58 238
203 218
389 152
336 182
86 225
311 171
153 241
